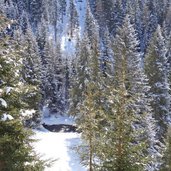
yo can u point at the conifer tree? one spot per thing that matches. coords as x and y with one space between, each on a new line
36 11
166 165
52 77
24 22
129 131
54 15
99 15
48 71
118 16
167 22
16 152
156 70
66 83
32 76
62 9
90 24
89 121
81 76
73 19
107 54
41 37
168 55
107 13
58 98
90 106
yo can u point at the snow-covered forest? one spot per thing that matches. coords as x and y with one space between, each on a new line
85 85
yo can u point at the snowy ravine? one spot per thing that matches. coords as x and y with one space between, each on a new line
68 47
58 146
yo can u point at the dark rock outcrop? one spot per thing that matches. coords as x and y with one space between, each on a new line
60 128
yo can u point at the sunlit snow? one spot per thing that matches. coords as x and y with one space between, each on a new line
59 146
27 113
3 102
6 117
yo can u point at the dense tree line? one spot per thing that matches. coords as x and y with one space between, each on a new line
16 94
117 84
121 90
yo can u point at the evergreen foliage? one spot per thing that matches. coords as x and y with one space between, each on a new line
31 73
91 103
73 19
129 128
81 76
156 70
166 166
16 151
117 84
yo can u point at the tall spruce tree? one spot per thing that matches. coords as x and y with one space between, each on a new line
36 11
156 70
31 73
88 45
107 54
54 15
128 137
73 19
166 163
16 151
80 77
90 108
48 72
58 97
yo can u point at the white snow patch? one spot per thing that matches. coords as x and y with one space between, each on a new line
68 43
27 113
45 111
8 90
59 146
6 117
3 102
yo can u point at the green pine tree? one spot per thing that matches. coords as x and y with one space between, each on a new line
166 165
128 132
90 108
80 77
31 73
156 68
16 151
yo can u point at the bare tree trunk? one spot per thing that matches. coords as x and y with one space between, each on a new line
2 165
90 155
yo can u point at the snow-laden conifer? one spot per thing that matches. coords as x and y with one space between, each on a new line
15 140
156 68
129 134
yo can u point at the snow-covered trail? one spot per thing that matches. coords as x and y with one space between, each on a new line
59 146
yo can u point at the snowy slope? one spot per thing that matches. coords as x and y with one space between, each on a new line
67 46
59 146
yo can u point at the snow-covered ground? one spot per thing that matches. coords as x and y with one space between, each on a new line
59 146
68 44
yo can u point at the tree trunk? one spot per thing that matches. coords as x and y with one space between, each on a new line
90 155
2 165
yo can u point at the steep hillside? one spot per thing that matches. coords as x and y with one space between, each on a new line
107 63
